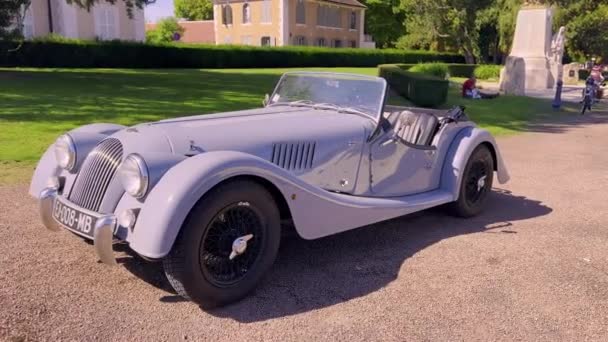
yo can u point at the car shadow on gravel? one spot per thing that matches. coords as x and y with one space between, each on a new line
310 275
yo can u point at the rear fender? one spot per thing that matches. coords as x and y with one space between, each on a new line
459 153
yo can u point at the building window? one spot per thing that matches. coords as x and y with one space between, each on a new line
328 16
353 43
337 43
227 40
246 40
266 11
300 12
299 40
226 15
28 22
246 14
321 42
265 41
105 22
353 20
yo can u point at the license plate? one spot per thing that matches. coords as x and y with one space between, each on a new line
74 219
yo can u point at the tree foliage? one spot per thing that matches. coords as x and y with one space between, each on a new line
164 31
384 21
130 4
447 22
586 27
11 18
193 9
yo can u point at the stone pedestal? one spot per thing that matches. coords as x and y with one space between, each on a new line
528 67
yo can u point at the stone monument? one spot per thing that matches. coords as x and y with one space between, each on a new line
535 62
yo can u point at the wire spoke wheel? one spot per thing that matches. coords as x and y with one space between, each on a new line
231 244
476 186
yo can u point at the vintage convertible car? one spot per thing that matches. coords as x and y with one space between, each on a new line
207 194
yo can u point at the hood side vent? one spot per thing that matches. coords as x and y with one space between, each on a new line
294 156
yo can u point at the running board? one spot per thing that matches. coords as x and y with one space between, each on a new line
337 213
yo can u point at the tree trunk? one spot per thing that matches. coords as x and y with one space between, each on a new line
469 58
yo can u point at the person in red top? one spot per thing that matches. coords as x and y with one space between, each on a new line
596 73
469 89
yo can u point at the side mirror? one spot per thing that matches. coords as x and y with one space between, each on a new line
266 100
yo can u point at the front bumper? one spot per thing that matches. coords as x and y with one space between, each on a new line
105 227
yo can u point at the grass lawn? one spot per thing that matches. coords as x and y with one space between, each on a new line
36 105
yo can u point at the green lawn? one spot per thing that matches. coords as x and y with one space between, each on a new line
36 105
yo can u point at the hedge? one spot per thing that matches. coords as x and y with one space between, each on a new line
455 69
488 72
435 69
88 54
422 90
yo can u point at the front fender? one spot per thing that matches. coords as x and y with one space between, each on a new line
459 153
86 137
176 193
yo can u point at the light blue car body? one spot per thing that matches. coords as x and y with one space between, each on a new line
329 171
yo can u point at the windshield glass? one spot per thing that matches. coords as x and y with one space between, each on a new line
342 92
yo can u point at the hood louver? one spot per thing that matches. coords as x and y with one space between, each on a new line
294 156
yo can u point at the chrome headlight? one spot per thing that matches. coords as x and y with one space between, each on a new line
133 174
65 152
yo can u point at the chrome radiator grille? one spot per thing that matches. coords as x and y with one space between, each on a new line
96 173
294 156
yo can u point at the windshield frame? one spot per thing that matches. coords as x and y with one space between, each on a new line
376 118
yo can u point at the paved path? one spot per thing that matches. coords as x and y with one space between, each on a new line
570 93
533 267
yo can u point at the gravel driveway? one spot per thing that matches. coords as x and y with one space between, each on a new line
533 267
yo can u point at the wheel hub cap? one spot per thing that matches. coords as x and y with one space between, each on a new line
239 246
481 183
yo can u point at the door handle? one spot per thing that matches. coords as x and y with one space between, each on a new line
388 141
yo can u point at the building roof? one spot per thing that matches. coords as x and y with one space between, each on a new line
353 3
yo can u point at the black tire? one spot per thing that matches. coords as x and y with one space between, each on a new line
198 266
473 192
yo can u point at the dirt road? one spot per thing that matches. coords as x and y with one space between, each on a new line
533 267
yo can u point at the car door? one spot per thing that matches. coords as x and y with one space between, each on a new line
399 167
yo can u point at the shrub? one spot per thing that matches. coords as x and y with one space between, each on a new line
439 70
488 72
421 89
87 54
164 31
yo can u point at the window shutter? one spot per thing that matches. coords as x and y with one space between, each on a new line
111 22
97 16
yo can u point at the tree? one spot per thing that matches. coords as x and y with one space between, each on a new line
164 31
447 22
193 9
496 25
11 18
586 27
131 4
384 21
